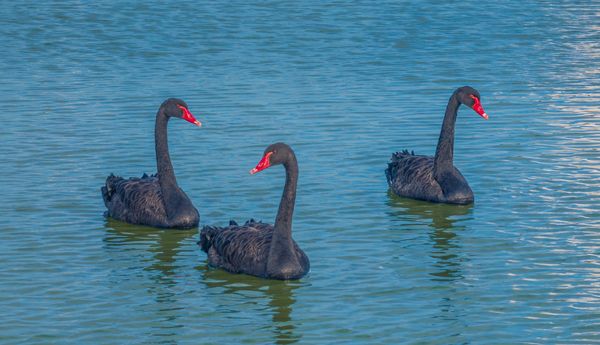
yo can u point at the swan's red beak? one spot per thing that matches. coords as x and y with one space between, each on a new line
478 108
188 116
263 164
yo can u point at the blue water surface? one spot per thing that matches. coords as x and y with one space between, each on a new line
346 84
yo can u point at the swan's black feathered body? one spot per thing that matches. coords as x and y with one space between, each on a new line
436 179
411 175
256 248
154 200
245 249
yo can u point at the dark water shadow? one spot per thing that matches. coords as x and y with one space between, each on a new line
279 295
130 245
446 250
164 244
441 219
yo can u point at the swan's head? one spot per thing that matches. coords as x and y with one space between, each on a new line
277 153
175 107
471 98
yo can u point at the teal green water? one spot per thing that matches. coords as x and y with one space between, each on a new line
346 84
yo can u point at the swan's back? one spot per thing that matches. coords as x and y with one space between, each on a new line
242 249
134 200
411 175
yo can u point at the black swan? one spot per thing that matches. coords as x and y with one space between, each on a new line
257 248
436 179
154 200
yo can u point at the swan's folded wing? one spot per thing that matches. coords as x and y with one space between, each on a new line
238 249
412 176
405 168
134 198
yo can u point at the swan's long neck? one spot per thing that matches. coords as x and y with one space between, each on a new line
281 243
444 154
166 175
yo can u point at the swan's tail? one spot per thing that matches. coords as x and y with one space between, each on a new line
206 235
109 188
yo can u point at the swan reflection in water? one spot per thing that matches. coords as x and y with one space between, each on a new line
446 252
145 259
164 245
279 296
443 235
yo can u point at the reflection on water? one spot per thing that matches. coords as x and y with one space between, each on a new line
130 245
163 244
441 216
279 295
441 219
444 223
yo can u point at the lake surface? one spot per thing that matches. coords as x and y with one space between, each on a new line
345 84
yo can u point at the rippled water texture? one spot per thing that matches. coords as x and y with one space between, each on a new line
346 84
